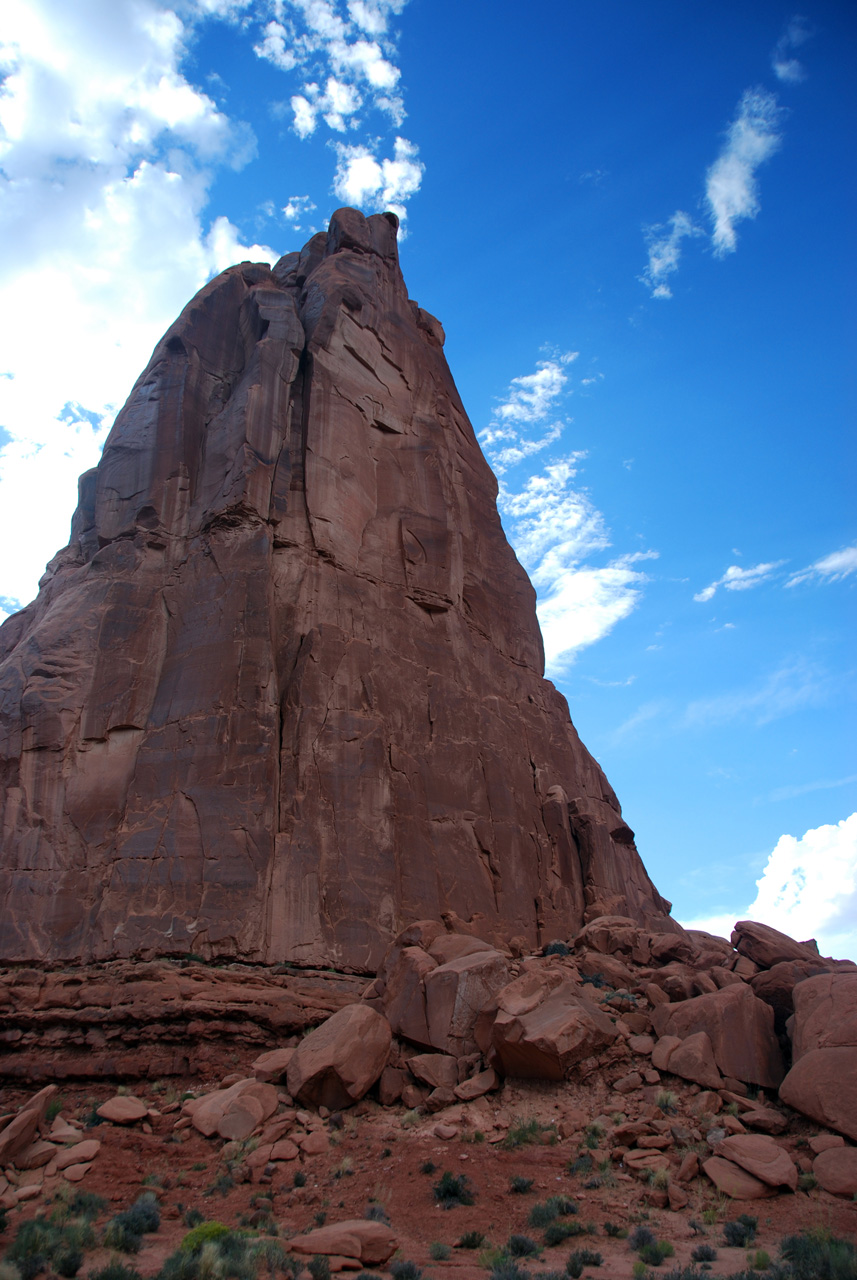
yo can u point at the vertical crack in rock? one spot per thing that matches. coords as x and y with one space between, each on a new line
283 691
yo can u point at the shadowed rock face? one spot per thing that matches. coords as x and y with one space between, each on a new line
282 692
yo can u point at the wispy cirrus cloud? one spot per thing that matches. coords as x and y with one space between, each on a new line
785 66
791 687
559 534
737 579
831 568
663 240
731 189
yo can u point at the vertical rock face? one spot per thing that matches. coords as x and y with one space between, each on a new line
282 692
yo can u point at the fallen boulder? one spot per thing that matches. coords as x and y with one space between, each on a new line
544 1035
836 1171
371 1243
339 1061
734 1181
740 1028
823 1085
761 1156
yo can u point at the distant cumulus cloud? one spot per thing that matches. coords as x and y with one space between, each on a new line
831 568
664 244
786 67
808 889
737 579
731 190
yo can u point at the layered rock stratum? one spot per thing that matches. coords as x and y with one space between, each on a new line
283 691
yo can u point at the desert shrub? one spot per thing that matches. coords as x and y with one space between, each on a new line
115 1270
594 980
471 1240
319 1269
654 1254
508 1269
819 1255
582 1165
667 1101
85 1204
428 1166
618 1233
453 1189
522 1132
403 1270
641 1236
703 1253
439 1252
42 1244
581 1258
741 1231
807 1181
547 1211
299 1180
556 949
592 1135
521 1246
377 1213
201 1234
520 1186
558 1232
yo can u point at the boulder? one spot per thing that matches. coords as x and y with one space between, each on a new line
693 1059
371 1243
836 1171
739 1026
456 992
825 1013
544 1037
776 986
734 1181
404 996
477 1086
766 946
822 1084
81 1153
339 1061
761 1156
229 1111
271 1067
23 1127
435 1069
123 1109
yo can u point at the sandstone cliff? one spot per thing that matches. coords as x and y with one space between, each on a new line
283 691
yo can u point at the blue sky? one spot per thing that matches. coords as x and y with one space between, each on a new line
636 225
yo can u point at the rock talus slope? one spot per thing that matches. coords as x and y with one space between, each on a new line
283 691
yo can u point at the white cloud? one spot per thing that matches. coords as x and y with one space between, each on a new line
529 401
802 789
664 244
786 67
832 568
790 688
363 180
730 185
107 153
296 210
352 53
808 889
737 579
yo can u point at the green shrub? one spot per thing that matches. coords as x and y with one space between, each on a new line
453 1189
192 1217
741 1231
581 1258
640 1237
547 1211
703 1253
377 1213
618 1233
125 1231
405 1271
521 1246
508 1269
439 1252
46 1243
520 1186
115 1270
818 1255
428 1166
471 1240
581 1165
523 1132
556 949
559 1232
319 1269
201 1233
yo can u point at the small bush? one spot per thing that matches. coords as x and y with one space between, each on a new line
521 1246
740 1232
192 1217
641 1236
439 1252
581 1258
556 949
405 1271
618 1233
547 1211
520 1186
508 1269
582 1165
377 1213
523 1132
319 1269
558 1232
654 1254
807 1181
819 1255
471 1240
428 1166
453 1189
759 1260
299 1179
115 1270
704 1253
201 1234
667 1101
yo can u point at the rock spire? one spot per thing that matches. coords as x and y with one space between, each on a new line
283 691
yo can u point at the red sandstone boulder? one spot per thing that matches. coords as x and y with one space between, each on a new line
836 1171
736 1182
22 1128
438 1070
825 1014
543 1032
693 1059
404 998
740 1028
123 1109
456 993
230 1111
340 1060
822 1084
761 1156
766 946
371 1243
776 985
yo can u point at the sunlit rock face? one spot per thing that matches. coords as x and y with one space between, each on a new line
283 692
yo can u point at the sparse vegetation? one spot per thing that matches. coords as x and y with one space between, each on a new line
319 1269
618 1233
377 1213
471 1240
521 1246
520 1186
453 1189
125 1231
704 1253
581 1258
741 1231
667 1101
402 1270
547 1211
819 1255
556 949
428 1166
558 1232
439 1252
524 1131
582 1165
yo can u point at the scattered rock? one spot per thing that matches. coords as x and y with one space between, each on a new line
122 1109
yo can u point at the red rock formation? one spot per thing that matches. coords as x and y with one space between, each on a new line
282 692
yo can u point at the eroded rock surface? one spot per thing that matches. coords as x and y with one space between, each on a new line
283 691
